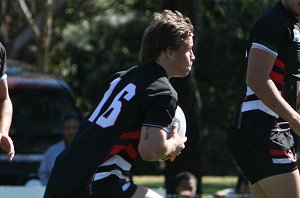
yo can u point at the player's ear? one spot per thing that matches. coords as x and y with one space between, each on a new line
170 53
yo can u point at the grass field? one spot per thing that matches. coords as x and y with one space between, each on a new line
210 184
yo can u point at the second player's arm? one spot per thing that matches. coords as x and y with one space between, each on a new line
6 110
260 64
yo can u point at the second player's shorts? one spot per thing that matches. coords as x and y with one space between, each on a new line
261 153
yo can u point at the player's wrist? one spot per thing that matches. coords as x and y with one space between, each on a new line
295 120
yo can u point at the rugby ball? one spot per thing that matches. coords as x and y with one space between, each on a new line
180 119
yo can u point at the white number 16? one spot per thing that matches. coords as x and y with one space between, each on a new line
110 115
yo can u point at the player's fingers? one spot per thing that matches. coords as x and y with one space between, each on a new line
183 146
8 146
172 158
11 155
175 127
298 98
11 152
11 145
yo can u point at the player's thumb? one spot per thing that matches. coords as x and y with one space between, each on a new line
175 127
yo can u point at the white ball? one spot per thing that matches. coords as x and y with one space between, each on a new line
180 119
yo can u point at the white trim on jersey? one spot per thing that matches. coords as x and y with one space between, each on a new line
3 77
249 91
256 105
106 174
117 160
264 48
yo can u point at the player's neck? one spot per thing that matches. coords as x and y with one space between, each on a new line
166 61
164 65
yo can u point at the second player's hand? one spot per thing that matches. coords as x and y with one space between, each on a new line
7 145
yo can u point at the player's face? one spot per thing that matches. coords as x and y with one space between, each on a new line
293 6
184 57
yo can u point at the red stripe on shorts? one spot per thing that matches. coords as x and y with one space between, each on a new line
278 152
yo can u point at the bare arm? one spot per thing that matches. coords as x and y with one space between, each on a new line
155 144
6 110
260 64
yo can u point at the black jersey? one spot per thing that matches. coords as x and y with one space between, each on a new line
108 138
278 33
2 61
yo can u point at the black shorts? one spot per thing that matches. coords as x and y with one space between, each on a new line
261 153
110 187
113 187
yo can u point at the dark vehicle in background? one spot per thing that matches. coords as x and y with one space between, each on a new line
40 102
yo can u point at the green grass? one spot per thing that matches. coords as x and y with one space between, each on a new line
149 181
210 184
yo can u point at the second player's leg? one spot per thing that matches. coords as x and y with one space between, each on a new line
278 186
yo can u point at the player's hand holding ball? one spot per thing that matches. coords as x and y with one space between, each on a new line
176 131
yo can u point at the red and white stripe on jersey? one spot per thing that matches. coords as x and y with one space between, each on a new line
282 157
276 75
121 156
128 147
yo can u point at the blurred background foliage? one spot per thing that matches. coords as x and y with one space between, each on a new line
91 39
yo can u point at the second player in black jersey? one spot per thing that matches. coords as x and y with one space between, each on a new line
130 120
6 108
261 139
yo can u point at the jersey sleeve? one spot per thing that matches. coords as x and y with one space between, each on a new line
269 33
2 62
160 105
161 112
